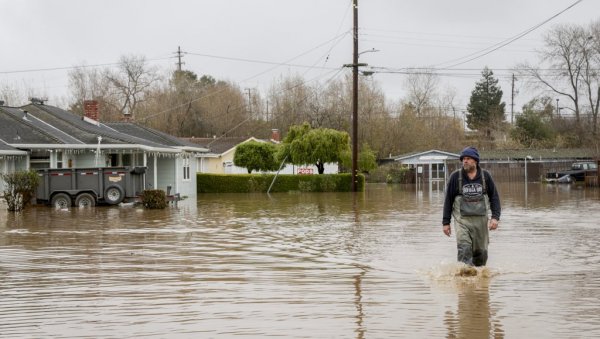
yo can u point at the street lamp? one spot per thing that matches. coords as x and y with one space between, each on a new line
372 50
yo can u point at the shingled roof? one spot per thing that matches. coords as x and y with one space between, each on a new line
42 126
9 150
143 132
219 145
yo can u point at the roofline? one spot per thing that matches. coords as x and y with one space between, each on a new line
398 158
94 147
192 149
11 152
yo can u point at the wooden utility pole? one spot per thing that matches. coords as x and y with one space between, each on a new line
179 63
512 99
355 99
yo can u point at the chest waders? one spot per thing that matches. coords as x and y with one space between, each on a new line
470 213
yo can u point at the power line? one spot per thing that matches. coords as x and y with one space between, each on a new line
72 67
501 44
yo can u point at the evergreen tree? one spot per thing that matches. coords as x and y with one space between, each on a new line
486 109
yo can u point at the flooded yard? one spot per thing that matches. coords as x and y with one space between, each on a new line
302 265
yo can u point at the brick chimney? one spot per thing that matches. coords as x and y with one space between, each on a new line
90 109
275 136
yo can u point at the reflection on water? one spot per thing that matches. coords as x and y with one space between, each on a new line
371 265
474 316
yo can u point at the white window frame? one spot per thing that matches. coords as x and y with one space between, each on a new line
186 169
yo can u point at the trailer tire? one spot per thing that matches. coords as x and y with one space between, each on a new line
85 200
114 195
61 201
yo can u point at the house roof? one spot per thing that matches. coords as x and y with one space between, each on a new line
20 127
8 150
41 126
74 125
146 133
426 157
219 145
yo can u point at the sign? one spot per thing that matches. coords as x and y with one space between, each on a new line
305 170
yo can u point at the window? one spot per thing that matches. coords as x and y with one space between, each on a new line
437 171
39 159
59 159
126 160
186 168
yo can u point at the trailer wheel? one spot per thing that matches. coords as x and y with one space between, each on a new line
85 200
114 195
61 201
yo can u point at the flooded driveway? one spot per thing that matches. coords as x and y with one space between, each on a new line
302 265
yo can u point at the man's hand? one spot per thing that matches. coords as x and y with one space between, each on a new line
447 230
492 224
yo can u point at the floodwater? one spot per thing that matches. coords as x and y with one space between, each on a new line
302 265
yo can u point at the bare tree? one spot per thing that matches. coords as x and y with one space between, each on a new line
422 86
130 83
591 74
86 84
12 95
561 64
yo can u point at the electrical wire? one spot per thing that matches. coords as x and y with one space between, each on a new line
285 63
73 67
495 47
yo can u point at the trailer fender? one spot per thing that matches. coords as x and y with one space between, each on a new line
114 195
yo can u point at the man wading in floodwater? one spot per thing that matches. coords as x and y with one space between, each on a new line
470 194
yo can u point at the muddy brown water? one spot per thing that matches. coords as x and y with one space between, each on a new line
302 265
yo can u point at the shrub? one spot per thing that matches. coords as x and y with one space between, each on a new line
154 199
253 183
20 188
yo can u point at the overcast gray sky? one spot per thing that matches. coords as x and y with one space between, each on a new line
254 42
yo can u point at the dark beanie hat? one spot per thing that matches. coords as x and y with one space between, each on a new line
470 152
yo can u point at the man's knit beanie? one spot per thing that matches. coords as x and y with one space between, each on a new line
470 152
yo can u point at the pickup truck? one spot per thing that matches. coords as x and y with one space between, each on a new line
576 173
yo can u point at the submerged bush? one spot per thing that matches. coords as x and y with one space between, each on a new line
154 199
20 188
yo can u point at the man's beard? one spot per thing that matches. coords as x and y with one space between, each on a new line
469 167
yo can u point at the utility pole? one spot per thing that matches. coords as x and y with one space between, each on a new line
512 99
249 100
355 98
179 63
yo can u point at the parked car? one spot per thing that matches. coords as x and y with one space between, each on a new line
577 172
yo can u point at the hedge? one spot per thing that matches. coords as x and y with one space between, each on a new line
252 183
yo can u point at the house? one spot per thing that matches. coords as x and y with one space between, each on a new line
54 138
430 165
219 158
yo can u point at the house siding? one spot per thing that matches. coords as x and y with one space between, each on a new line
166 168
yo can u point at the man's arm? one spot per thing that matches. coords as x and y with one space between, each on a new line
451 191
494 197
